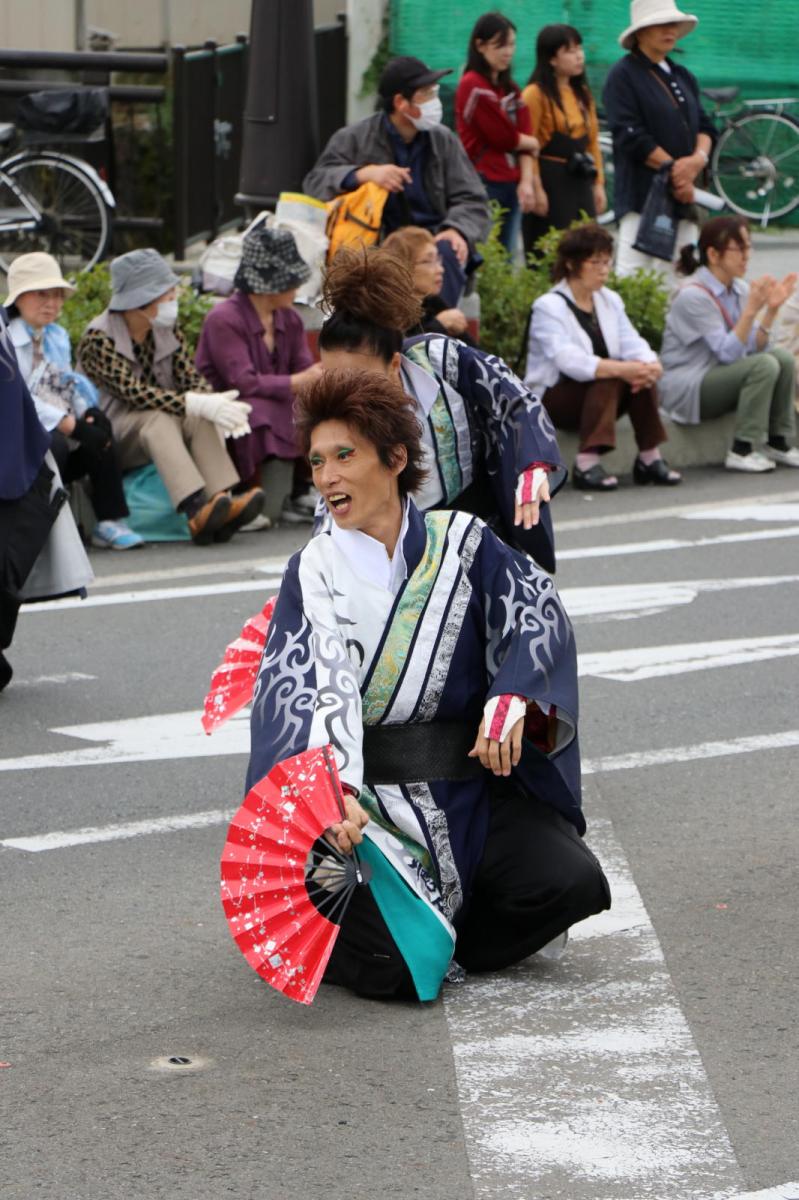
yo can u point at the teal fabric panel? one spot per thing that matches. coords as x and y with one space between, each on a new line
422 940
151 513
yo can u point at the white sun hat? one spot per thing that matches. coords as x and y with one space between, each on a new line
644 13
32 273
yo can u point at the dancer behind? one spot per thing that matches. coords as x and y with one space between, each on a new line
441 666
563 117
488 443
494 124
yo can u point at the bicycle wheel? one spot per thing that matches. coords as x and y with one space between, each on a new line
74 220
755 166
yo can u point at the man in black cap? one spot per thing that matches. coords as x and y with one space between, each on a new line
419 161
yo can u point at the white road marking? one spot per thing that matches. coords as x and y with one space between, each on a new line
68 677
111 833
654 547
647 514
237 566
267 585
141 739
178 739
644 599
620 1108
700 750
746 512
788 1191
653 662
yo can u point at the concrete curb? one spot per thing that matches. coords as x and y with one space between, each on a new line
688 445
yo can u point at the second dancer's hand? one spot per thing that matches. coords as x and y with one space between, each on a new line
499 757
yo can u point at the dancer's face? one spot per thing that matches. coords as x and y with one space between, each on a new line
356 485
361 360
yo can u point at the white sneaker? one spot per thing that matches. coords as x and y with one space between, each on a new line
753 462
256 524
554 950
787 458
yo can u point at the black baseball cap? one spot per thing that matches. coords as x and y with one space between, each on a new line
406 74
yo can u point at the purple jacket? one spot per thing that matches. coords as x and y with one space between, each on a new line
232 353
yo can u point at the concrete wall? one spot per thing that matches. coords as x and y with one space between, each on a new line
37 24
50 24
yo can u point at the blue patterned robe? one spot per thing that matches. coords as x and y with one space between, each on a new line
472 620
486 427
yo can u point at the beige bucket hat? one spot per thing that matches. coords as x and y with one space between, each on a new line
33 273
644 13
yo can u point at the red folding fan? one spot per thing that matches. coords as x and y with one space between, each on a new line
284 888
233 681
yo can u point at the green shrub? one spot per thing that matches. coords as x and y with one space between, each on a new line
507 290
94 292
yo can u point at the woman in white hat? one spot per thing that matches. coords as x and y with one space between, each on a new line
65 400
654 112
159 405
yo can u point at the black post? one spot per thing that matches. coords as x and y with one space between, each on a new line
180 149
281 139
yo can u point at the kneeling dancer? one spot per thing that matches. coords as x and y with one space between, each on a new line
441 666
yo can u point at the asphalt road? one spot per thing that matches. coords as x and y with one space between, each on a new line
658 1059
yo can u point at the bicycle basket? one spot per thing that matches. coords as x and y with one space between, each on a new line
73 110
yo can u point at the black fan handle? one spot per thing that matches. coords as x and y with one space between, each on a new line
330 763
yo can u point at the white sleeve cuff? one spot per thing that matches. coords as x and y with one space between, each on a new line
500 715
529 485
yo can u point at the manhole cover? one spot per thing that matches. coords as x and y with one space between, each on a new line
179 1064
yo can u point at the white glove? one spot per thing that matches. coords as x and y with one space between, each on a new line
220 407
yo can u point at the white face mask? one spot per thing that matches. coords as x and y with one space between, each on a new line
167 314
432 111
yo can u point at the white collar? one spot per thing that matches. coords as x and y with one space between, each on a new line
369 557
19 332
419 384
714 284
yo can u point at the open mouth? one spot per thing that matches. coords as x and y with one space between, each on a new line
339 503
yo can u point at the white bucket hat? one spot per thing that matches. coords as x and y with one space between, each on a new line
644 13
34 273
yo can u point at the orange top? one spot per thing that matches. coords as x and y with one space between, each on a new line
547 118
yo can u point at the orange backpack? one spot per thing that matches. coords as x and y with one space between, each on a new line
355 218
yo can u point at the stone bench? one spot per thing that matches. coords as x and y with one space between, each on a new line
688 445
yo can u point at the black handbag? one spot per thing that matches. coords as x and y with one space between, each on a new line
71 110
657 229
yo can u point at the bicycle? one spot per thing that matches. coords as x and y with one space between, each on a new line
52 201
755 162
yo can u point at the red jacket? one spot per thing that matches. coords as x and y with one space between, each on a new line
489 121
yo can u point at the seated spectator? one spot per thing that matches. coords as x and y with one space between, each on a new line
41 555
65 400
593 366
417 249
494 125
716 351
786 333
406 150
255 343
160 408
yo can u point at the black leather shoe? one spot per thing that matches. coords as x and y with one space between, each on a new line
658 472
5 671
593 480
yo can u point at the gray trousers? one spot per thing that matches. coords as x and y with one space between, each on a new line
188 452
761 387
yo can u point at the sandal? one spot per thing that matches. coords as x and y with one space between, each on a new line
595 479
